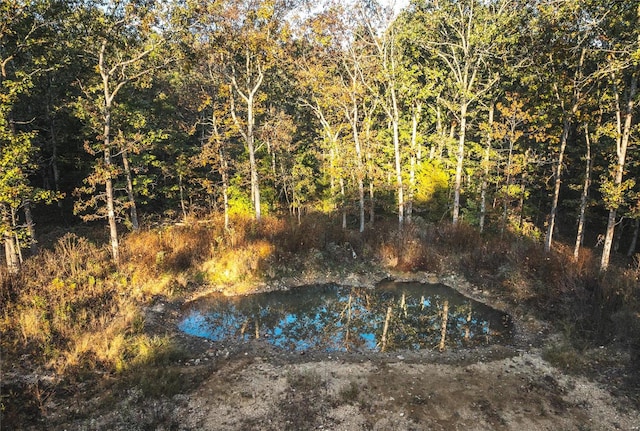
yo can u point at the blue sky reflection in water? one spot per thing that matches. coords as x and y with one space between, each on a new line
392 316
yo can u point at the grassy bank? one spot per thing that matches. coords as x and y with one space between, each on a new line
74 315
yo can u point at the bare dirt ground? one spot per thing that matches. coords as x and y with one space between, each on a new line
521 392
254 386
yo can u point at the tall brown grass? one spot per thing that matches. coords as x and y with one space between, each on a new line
71 309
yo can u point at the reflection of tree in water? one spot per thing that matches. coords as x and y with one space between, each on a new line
392 316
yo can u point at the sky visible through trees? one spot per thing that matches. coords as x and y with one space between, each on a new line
517 115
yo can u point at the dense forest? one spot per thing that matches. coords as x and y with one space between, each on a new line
505 115
509 120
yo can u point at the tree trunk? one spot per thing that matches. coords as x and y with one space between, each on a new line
459 162
10 246
523 195
415 118
507 198
398 158
183 206
14 226
108 162
133 210
111 213
360 172
585 194
344 202
54 158
108 167
634 238
255 186
361 202
248 133
13 263
224 167
622 142
557 173
608 240
566 126
437 149
485 162
372 203
31 228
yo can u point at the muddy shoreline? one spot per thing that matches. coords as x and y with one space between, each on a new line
529 332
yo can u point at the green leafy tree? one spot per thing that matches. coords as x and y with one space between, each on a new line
463 38
511 129
621 40
324 93
384 36
253 40
564 60
22 30
120 41
16 163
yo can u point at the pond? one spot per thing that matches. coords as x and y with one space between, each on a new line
392 316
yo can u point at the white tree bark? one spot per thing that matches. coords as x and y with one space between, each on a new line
623 133
459 163
584 197
248 96
485 162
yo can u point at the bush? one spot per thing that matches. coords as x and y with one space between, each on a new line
239 264
432 188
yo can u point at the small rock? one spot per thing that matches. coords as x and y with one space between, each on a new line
158 308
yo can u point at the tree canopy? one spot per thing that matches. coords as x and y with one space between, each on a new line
501 114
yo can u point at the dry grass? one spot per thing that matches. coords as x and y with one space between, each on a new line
172 249
72 310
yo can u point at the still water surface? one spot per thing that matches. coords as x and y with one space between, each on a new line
393 316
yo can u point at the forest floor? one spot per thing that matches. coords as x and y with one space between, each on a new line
254 386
